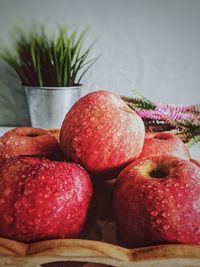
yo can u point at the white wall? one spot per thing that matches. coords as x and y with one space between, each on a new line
152 46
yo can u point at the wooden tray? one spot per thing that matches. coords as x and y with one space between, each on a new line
18 254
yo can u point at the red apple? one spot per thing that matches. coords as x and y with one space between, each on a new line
164 143
28 141
157 201
40 199
102 134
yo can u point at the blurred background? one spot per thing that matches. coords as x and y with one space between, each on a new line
152 46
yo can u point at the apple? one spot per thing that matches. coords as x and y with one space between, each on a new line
28 141
42 199
102 133
157 201
164 143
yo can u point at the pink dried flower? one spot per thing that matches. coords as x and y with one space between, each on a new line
163 113
173 114
149 114
188 108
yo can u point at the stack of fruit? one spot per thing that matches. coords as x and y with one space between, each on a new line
46 186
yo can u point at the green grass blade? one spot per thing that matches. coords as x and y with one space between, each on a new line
90 65
45 61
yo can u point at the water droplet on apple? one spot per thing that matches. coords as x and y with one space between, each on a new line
7 192
158 221
164 201
92 119
165 226
2 201
149 187
154 213
164 214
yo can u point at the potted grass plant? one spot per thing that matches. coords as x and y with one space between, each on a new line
51 70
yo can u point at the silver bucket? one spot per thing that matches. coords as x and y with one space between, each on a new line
49 105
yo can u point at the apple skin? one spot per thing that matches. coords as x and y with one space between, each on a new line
29 141
102 133
42 199
164 143
151 211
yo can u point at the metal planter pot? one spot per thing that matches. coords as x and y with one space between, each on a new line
49 105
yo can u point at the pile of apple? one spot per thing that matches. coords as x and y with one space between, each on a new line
46 186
